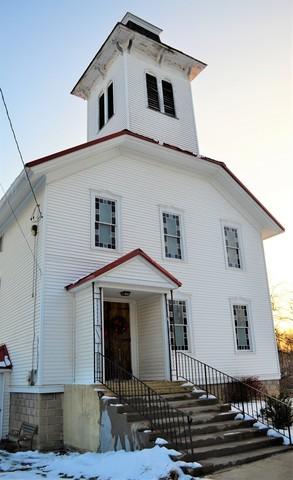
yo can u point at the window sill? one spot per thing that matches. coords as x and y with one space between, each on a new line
163 113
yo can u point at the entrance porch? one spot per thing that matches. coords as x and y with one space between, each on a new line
122 318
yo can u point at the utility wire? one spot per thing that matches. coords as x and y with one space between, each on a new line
20 227
19 151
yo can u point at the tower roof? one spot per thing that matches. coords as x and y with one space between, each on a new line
131 32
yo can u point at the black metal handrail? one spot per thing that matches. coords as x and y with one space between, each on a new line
245 398
170 422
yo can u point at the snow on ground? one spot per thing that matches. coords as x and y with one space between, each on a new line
148 464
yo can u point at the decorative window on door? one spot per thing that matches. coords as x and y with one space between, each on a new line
241 324
172 235
105 223
232 247
178 325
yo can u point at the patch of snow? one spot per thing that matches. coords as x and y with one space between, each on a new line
117 404
148 464
195 389
106 397
240 416
161 441
187 384
272 433
205 397
147 431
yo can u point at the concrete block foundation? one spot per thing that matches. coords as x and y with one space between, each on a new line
42 409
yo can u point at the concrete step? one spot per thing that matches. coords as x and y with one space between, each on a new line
220 426
214 463
192 402
195 410
211 417
218 438
233 448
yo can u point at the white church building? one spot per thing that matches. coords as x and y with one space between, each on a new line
143 245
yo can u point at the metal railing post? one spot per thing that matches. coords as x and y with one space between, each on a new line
206 379
174 330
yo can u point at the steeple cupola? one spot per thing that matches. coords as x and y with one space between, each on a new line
139 83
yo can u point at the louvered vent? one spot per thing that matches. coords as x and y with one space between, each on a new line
168 97
152 91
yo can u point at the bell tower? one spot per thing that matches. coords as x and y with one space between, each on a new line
139 83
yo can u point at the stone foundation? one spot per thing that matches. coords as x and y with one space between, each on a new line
272 387
42 409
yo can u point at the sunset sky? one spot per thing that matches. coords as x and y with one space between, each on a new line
243 100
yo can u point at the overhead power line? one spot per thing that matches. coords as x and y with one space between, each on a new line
20 227
19 151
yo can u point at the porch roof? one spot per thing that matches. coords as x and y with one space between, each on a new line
120 261
5 362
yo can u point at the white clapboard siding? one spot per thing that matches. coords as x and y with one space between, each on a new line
115 74
151 349
130 103
143 188
16 301
179 131
138 272
84 361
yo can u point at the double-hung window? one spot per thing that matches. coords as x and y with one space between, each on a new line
105 223
232 244
160 95
172 235
242 328
178 325
106 105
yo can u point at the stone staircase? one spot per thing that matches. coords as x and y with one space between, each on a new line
218 440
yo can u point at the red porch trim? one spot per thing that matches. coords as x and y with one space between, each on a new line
120 261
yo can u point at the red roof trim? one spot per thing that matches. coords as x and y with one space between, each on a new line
81 146
165 145
120 261
5 362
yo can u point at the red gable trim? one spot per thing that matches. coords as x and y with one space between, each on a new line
5 362
165 145
67 151
120 261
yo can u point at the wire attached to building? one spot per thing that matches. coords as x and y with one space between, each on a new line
19 151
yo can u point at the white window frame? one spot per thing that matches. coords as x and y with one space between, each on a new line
160 92
187 300
104 91
114 198
237 226
247 303
180 214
